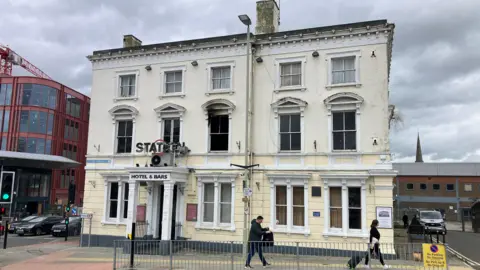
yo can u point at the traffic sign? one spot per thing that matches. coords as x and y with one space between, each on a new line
86 216
434 255
74 211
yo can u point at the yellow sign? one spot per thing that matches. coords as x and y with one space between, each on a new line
434 255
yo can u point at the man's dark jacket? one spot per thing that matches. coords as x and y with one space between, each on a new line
256 232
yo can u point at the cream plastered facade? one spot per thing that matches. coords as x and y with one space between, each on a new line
315 165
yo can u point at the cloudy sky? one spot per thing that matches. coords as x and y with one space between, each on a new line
435 81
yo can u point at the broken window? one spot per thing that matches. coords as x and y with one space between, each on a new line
219 129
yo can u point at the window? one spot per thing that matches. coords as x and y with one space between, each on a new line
343 70
346 205
39 95
4 143
73 105
450 187
354 208
113 200
290 74
468 187
436 186
423 186
208 202
4 120
221 78
216 201
171 130
32 145
125 200
281 204
116 205
344 131
298 206
336 207
290 134
409 186
36 122
289 203
127 85
219 132
124 136
65 179
5 94
173 82
225 203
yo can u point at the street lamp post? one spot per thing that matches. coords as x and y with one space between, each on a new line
246 21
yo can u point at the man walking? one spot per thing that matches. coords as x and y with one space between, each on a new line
256 232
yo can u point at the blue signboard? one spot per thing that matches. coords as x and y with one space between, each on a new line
316 214
74 211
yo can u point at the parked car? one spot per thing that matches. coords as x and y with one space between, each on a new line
38 226
432 221
74 227
13 226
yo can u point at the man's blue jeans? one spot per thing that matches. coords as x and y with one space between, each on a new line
258 247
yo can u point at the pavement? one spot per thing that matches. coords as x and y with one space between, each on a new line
457 226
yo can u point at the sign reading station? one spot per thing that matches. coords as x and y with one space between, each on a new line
434 255
150 176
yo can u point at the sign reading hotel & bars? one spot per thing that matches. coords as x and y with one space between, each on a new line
150 176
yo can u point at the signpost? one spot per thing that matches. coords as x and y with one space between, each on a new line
84 216
434 255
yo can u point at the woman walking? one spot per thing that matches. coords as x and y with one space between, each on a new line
375 245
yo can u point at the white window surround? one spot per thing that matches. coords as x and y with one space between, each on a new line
278 70
122 113
289 180
170 111
343 102
344 181
121 180
230 90
163 79
117 82
328 60
219 106
289 105
216 179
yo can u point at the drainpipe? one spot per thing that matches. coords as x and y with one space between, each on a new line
457 191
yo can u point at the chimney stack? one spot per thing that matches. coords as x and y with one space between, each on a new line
131 41
268 17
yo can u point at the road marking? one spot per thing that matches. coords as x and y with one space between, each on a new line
459 255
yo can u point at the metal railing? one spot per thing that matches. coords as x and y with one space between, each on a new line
156 254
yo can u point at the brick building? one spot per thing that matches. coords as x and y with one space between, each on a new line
452 187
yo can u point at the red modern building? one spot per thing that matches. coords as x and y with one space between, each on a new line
44 117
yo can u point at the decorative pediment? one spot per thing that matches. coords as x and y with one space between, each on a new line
344 101
218 104
123 112
343 98
289 105
169 110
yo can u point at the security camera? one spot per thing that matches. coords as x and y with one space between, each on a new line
242 174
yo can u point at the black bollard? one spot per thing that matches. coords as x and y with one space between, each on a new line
6 235
132 246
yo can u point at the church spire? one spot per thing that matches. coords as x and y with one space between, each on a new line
419 157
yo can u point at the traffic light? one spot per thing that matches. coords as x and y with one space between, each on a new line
67 208
2 211
71 193
6 188
66 221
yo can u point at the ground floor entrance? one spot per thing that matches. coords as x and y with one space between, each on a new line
165 203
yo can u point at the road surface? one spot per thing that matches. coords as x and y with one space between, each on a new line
14 240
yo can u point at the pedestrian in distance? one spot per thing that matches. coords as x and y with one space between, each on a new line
405 220
254 241
374 246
